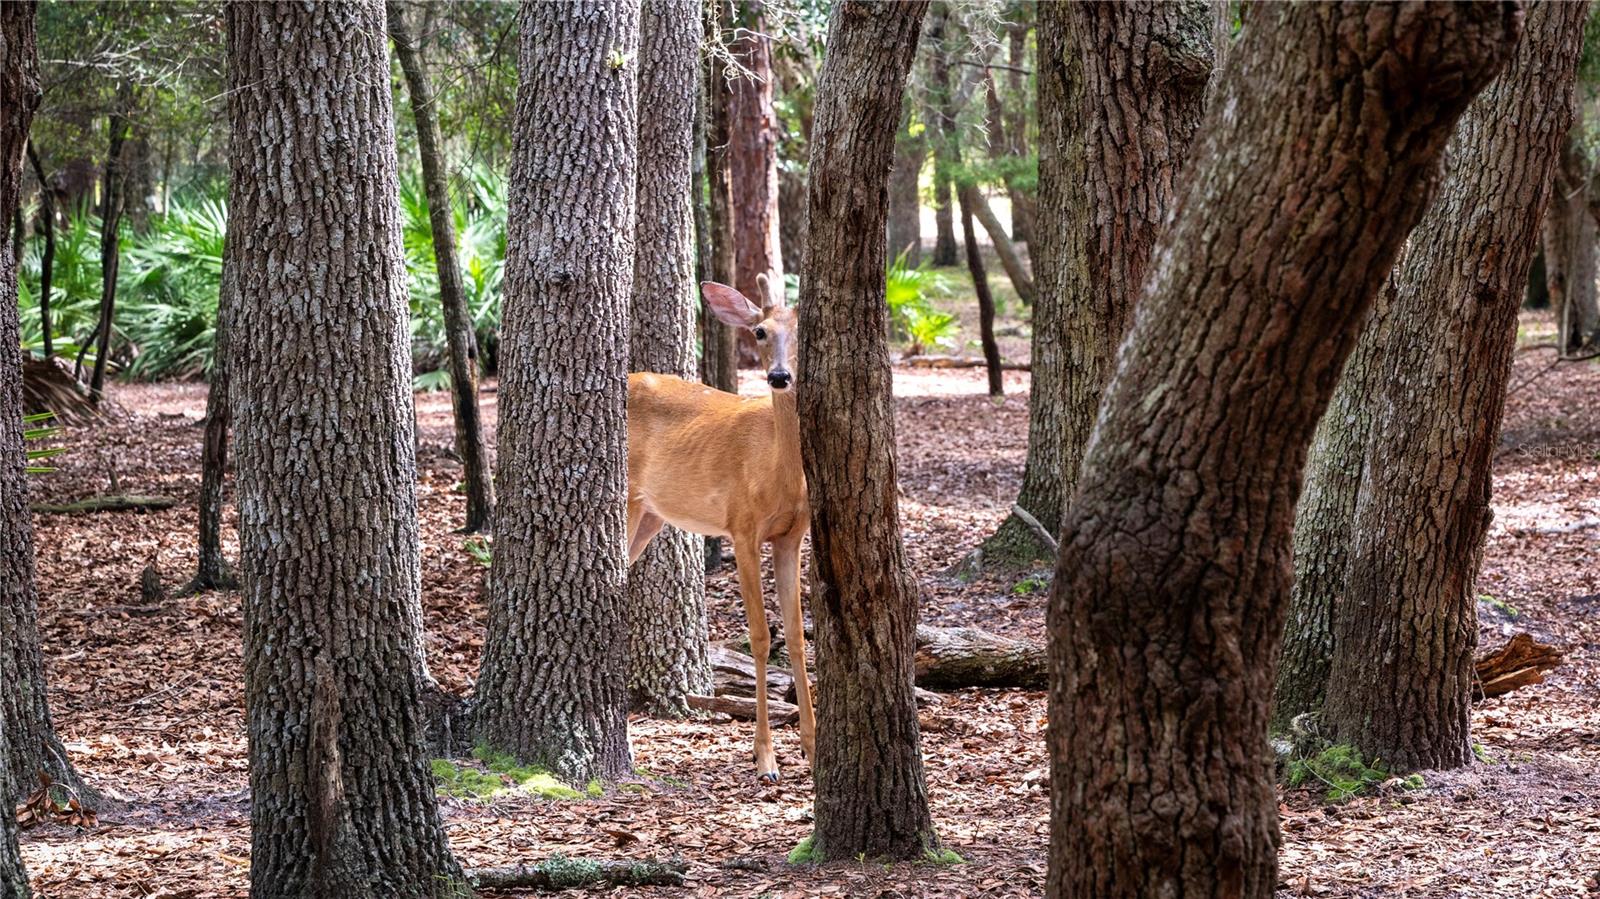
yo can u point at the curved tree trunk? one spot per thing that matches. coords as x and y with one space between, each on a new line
870 792
1173 577
753 160
1107 183
24 708
459 334
969 199
1400 688
342 798
668 657
212 571
553 688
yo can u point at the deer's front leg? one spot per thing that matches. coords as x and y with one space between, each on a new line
747 555
786 572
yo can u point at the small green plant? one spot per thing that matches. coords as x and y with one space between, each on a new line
908 290
1509 610
530 778
1033 583
503 774
805 852
480 550
1345 774
1482 752
943 856
40 433
458 782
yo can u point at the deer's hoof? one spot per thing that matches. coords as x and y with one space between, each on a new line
769 777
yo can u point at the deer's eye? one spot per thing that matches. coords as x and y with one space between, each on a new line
761 333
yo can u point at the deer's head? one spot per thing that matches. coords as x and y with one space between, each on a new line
774 328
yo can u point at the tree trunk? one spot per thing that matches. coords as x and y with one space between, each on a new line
459 334
1173 578
26 718
213 571
666 586
553 688
870 792
969 200
1400 688
1107 182
1016 269
719 361
998 146
1024 204
1569 238
342 798
905 191
753 161
47 261
110 238
941 130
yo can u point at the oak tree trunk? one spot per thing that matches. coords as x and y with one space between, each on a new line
553 688
905 191
26 718
212 571
1018 272
666 586
1400 688
342 798
753 160
941 129
1569 238
871 797
460 336
1173 578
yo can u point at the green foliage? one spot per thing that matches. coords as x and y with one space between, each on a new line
460 782
805 852
40 433
1482 753
478 211
1033 583
503 773
1345 774
1505 608
480 550
911 312
943 856
170 280
531 779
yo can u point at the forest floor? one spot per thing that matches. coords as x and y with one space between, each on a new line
149 699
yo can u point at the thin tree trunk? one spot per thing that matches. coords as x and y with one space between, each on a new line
1016 269
110 238
1107 182
460 337
1400 688
553 687
968 197
941 130
753 160
719 363
1024 204
1569 237
669 655
47 261
871 797
905 191
342 798
1173 577
26 717
213 571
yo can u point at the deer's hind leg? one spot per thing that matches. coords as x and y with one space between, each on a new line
747 555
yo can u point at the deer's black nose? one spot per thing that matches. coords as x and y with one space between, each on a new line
778 378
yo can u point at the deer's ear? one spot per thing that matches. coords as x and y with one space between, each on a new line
730 306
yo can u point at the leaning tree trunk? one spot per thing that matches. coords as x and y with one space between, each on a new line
1569 237
24 692
28 741
342 798
941 130
212 570
905 191
1107 183
667 639
1173 577
111 205
553 689
459 334
47 260
1400 688
753 161
870 792
968 198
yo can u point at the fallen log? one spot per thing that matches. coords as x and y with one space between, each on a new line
570 873
744 708
936 360
948 658
116 503
1522 661
733 673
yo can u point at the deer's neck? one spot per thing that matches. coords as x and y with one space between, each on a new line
786 434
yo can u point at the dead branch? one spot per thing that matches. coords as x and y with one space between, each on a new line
941 361
744 708
1045 537
1522 661
115 503
570 873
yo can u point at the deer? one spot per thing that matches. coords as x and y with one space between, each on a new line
722 465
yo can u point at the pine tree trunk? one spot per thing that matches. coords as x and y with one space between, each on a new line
111 206
1400 688
342 798
460 336
1173 578
1569 236
213 571
668 657
871 796
753 160
47 223
28 741
969 199
553 688
941 130
905 194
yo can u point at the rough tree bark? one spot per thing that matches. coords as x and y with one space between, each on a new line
719 359
666 586
1400 687
1173 577
212 571
1569 237
460 336
111 205
342 798
905 192
553 688
47 223
1107 182
870 792
940 131
753 159
24 707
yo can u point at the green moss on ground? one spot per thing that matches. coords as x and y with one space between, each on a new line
1345 774
504 773
943 856
805 852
